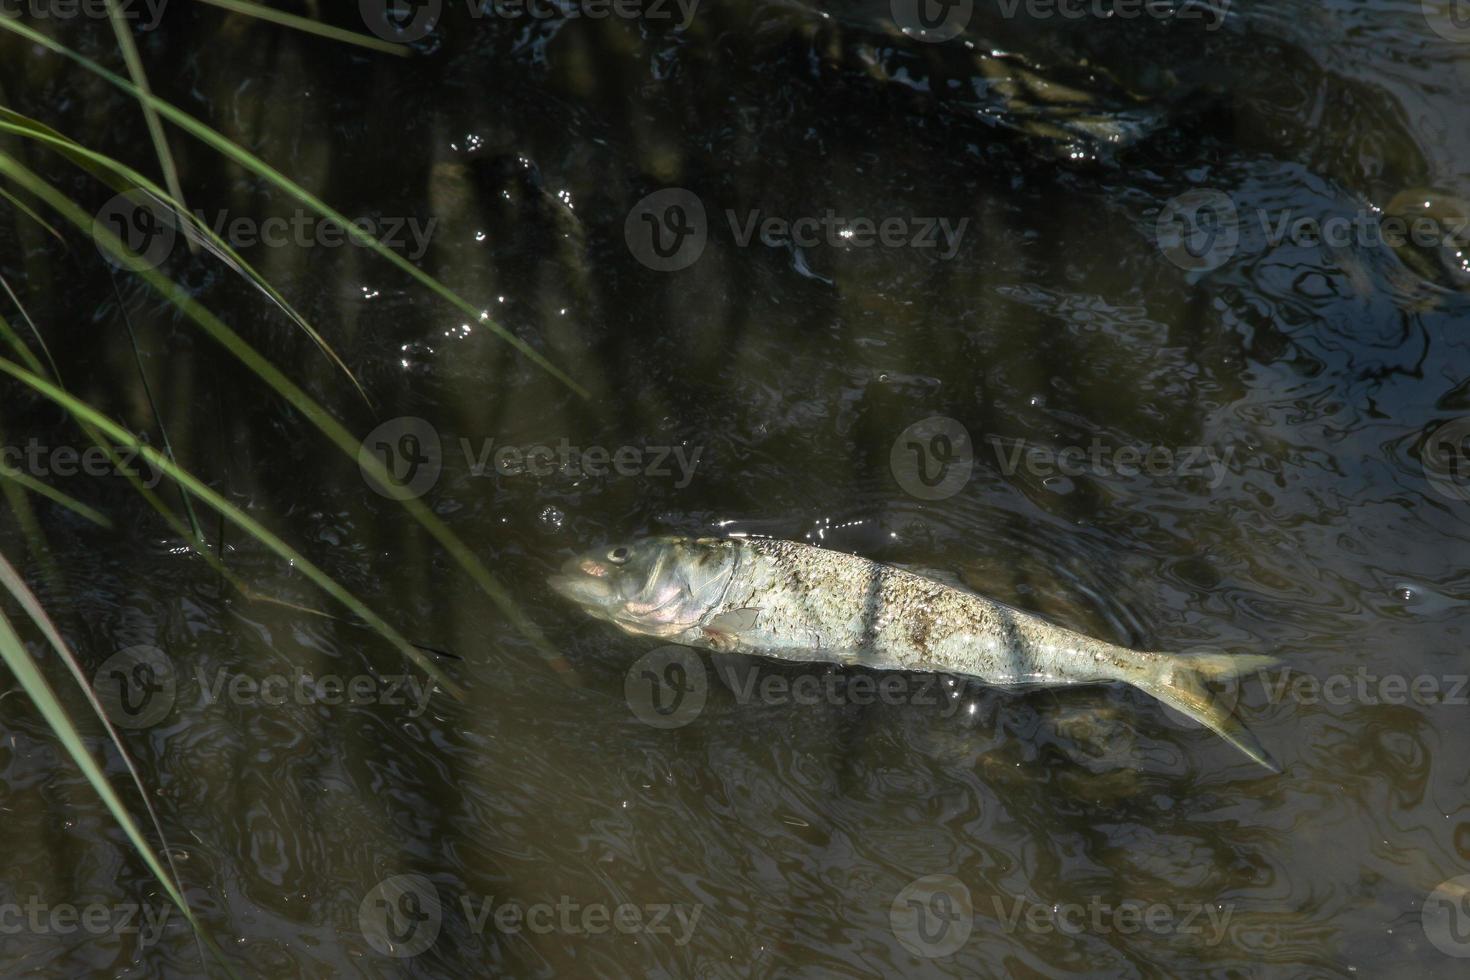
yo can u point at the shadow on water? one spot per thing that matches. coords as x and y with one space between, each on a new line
1295 386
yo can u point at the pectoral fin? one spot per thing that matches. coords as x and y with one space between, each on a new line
734 620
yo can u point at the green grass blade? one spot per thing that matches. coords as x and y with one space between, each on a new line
124 33
51 493
121 436
121 177
8 334
168 444
151 498
249 161
13 652
310 26
26 210
313 412
11 580
29 322
30 527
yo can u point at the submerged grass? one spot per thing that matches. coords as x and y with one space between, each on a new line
309 26
43 377
124 35
55 496
120 177
283 386
26 210
222 144
257 531
42 695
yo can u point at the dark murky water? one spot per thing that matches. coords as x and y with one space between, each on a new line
1172 441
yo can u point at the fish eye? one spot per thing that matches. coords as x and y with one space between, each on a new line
618 555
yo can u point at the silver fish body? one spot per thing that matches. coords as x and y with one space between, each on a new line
796 602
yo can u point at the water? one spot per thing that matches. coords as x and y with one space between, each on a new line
1290 390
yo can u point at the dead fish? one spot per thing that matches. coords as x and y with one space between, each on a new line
796 602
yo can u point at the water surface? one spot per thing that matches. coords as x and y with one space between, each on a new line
778 837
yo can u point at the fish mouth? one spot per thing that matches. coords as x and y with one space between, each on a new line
578 583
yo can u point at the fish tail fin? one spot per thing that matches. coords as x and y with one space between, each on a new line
1181 682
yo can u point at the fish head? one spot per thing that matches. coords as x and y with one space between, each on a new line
650 586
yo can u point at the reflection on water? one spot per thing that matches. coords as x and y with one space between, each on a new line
1188 406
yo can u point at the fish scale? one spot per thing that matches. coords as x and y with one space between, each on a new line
886 618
